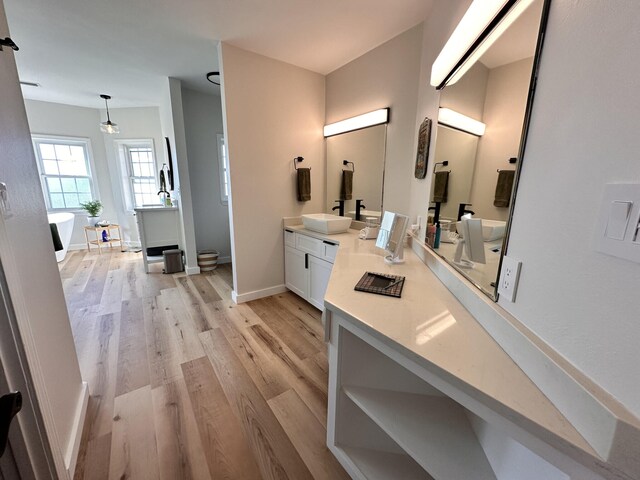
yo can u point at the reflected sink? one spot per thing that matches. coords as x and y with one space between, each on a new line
326 223
493 229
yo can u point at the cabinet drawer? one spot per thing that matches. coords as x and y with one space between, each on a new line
330 251
289 238
310 245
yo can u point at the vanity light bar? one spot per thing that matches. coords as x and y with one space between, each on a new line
483 23
453 119
365 120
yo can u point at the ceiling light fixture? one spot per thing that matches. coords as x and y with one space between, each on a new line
365 120
29 84
108 127
483 23
213 74
456 120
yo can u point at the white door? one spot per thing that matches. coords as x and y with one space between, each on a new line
295 271
33 282
319 273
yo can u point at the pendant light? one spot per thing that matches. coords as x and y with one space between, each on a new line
108 127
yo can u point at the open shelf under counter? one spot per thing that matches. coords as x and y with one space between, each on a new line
380 465
433 430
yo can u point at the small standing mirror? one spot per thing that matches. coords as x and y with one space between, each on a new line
484 109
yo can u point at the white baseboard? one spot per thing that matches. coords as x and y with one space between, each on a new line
77 246
192 270
222 260
265 292
71 457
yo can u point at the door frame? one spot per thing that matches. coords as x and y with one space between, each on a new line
28 441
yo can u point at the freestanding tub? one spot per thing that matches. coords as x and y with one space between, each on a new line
64 222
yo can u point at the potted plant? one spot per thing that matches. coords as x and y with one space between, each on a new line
93 209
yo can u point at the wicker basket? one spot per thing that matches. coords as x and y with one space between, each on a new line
207 260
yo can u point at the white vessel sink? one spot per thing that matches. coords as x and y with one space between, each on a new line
326 223
493 229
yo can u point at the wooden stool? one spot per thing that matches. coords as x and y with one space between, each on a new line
98 233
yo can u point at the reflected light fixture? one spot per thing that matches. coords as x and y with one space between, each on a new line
483 23
456 120
365 120
108 127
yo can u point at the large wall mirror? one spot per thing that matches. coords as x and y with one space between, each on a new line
480 140
355 172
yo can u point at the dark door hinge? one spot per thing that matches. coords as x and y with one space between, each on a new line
7 42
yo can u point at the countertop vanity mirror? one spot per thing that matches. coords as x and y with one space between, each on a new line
485 103
356 157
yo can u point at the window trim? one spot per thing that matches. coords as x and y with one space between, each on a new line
223 176
126 172
64 140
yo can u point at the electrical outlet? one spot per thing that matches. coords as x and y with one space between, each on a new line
509 274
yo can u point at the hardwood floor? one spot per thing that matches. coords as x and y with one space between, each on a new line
185 384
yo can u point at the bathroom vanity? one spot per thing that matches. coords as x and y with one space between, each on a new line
308 260
419 389
157 227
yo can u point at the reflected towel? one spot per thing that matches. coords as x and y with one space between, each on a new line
304 184
57 243
504 185
440 187
346 186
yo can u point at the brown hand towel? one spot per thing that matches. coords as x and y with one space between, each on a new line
504 185
304 184
346 186
440 187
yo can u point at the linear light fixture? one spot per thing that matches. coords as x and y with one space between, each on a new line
456 120
365 120
483 23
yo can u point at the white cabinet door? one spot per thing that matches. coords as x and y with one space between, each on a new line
295 272
319 273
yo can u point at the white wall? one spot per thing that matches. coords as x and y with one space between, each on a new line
504 110
28 259
172 122
583 134
387 76
273 112
203 122
68 120
140 123
71 121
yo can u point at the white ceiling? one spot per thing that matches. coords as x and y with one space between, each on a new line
77 49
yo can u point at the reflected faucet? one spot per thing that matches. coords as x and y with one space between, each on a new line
436 212
359 206
462 210
339 207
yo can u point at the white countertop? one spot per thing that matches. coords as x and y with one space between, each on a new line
159 208
431 327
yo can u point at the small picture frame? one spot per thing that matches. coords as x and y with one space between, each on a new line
424 140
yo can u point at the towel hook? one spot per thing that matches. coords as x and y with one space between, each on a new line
296 160
353 165
444 164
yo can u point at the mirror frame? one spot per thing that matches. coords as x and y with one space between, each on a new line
523 141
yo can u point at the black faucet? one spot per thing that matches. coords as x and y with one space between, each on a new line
462 210
359 206
436 212
339 207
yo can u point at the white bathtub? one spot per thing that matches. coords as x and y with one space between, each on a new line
64 222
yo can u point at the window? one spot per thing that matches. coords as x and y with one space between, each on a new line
223 165
140 170
65 171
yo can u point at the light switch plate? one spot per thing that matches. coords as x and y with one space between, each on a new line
614 234
509 276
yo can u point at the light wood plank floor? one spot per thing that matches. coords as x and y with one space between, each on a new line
185 384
